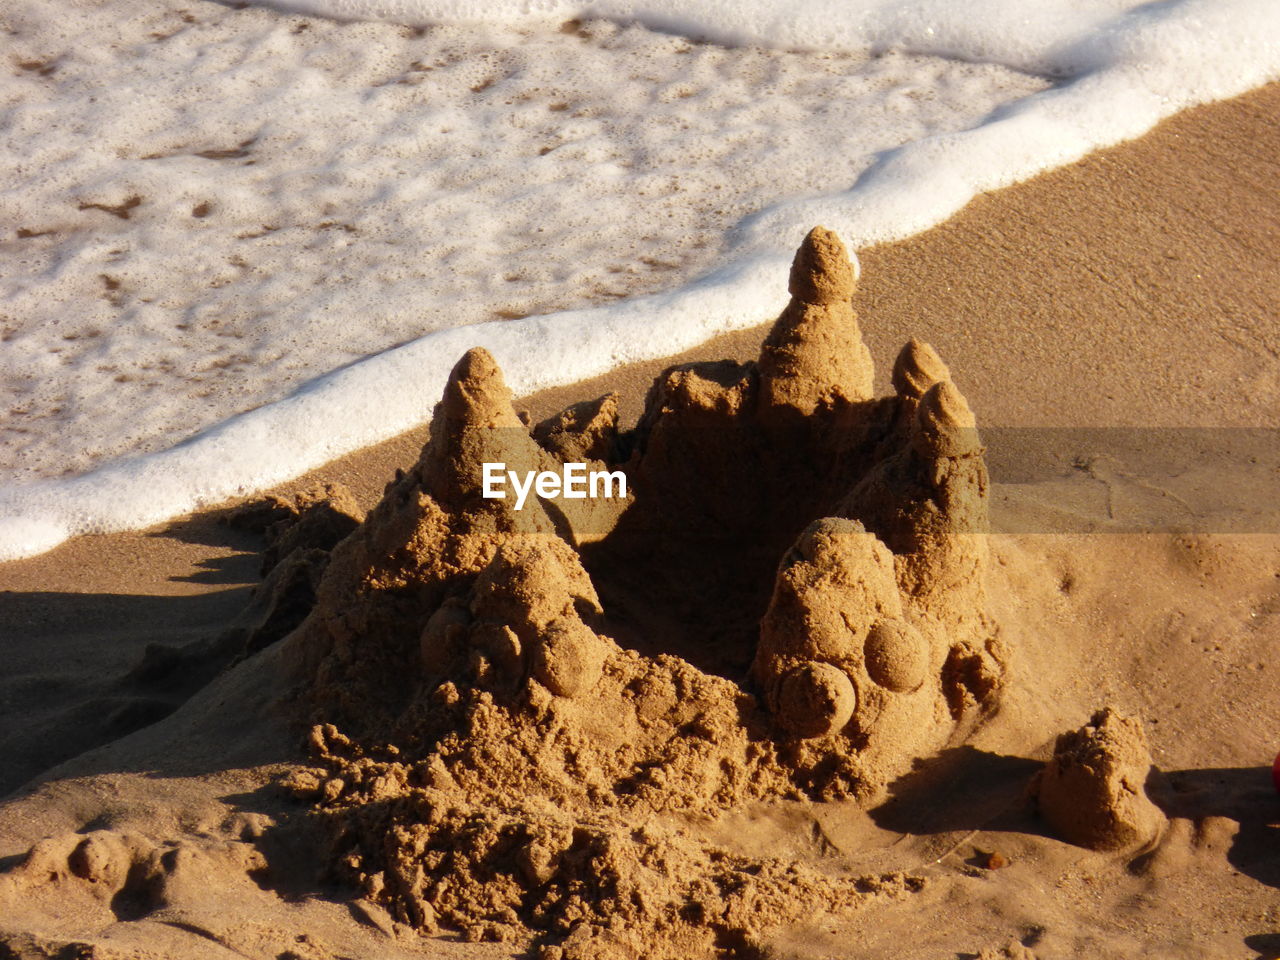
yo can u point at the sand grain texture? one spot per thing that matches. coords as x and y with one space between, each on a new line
1136 287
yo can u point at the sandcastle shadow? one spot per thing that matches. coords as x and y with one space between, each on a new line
237 570
1267 945
65 688
1245 795
94 669
690 567
961 788
214 723
213 528
162 658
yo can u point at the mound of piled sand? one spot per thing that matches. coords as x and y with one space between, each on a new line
1093 791
788 603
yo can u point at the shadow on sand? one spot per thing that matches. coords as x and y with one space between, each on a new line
964 788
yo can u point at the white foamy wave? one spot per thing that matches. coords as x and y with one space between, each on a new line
1062 37
353 187
1126 66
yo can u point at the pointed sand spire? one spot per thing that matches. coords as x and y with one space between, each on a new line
475 423
821 272
814 355
917 368
476 394
945 426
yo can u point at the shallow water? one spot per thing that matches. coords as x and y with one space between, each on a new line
218 205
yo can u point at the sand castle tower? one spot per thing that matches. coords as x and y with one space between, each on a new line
927 500
789 604
835 651
875 644
432 531
524 618
866 642
814 357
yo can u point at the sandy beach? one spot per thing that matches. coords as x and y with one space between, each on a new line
1135 289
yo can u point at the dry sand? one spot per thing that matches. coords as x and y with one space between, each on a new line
1136 288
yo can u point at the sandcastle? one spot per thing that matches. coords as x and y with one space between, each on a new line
527 723
788 604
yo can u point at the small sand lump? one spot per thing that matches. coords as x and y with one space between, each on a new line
1092 793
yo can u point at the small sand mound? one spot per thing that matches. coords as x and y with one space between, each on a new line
1093 791
317 518
109 877
520 713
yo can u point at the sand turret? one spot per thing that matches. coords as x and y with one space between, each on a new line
528 607
475 423
476 394
917 368
832 587
432 529
928 501
945 426
944 521
840 664
814 357
1093 791
834 639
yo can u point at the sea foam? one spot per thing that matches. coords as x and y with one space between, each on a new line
334 200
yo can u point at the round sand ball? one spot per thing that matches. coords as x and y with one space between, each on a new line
568 658
815 699
897 657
